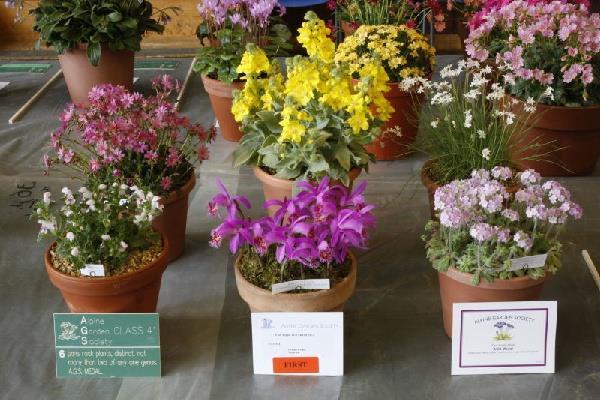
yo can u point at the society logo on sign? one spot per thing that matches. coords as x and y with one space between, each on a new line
68 331
267 323
503 331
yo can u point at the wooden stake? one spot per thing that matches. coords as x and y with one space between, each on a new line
591 267
185 85
23 110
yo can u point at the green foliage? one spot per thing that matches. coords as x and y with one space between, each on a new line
120 25
221 59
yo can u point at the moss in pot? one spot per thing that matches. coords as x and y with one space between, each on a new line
309 237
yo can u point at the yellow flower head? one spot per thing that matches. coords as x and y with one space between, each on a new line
254 61
314 37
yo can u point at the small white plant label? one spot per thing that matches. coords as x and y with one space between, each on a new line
92 270
136 79
529 262
306 284
4 84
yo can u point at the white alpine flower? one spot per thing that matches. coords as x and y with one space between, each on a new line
74 251
468 119
70 236
105 237
485 153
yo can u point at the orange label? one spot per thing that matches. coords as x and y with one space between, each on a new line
296 365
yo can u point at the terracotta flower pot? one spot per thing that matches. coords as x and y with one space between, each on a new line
279 189
131 292
173 220
261 300
400 131
456 287
116 67
570 136
221 99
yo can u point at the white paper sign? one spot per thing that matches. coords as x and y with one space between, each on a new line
528 262
502 338
308 343
92 270
136 79
4 84
306 284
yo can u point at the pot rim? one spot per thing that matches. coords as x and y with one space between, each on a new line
518 282
351 277
215 82
102 281
561 108
183 191
288 184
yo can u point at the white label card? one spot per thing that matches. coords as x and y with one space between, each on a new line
4 84
92 270
309 343
306 284
503 338
528 262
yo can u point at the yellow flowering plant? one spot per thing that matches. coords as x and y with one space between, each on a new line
403 51
315 120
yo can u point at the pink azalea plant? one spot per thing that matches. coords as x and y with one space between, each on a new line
541 44
123 135
483 227
315 230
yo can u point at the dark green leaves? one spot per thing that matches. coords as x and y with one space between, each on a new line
120 25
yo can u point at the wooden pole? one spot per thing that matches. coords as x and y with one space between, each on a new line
27 106
185 85
591 267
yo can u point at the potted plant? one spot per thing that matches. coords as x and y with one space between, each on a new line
355 13
309 237
95 40
484 232
312 123
404 53
552 44
226 28
105 256
468 124
137 141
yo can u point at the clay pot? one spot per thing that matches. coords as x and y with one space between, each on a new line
456 287
348 28
400 131
221 99
135 292
279 189
116 67
570 136
173 220
261 300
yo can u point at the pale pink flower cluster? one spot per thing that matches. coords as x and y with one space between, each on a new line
528 24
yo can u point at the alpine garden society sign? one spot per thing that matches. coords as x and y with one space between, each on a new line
107 345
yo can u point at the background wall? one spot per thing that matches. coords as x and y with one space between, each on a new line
180 33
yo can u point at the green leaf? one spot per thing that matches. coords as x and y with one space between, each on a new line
94 52
342 155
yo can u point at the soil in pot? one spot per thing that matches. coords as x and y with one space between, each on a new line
279 189
173 220
134 290
262 300
400 131
221 100
569 138
115 67
456 287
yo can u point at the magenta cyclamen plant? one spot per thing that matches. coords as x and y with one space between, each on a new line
127 137
316 228
483 226
541 44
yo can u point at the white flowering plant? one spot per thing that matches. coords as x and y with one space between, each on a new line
100 225
469 123
483 228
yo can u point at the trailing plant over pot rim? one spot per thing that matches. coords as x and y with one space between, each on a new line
120 25
106 257
483 228
315 121
310 236
108 225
